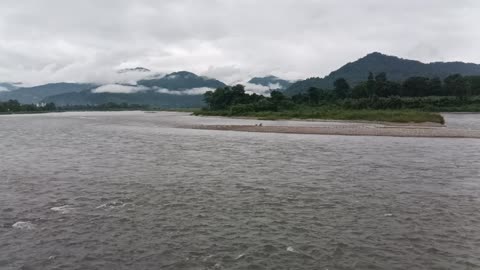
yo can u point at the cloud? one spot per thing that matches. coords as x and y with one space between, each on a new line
88 40
256 88
193 91
117 88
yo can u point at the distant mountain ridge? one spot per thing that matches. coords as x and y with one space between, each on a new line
397 69
150 92
148 97
36 94
159 90
169 91
6 86
182 80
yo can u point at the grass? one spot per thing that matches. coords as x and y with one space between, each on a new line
397 116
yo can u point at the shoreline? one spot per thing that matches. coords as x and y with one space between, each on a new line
349 130
320 120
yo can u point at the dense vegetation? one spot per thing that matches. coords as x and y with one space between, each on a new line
375 99
13 106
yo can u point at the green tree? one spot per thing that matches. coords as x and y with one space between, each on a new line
416 87
436 87
371 85
277 97
314 95
341 88
381 85
51 107
456 85
360 91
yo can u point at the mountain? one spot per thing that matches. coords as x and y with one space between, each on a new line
397 69
182 80
149 97
4 86
171 91
28 95
271 81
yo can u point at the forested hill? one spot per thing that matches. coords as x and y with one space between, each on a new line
397 69
182 80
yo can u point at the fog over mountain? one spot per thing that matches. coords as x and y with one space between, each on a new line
90 41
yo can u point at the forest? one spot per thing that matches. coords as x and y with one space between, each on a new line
404 100
454 93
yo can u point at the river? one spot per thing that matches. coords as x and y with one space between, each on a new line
129 190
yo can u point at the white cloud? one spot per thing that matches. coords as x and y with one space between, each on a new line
256 88
171 77
193 91
260 89
117 88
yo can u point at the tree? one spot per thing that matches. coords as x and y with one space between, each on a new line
342 88
456 85
13 105
314 95
474 84
370 85
381 84
277 97
360 91
416 87
436 87
392 88
51 106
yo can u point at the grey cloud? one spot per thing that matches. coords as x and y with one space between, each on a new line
57 40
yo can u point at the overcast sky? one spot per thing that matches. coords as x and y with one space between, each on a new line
86 40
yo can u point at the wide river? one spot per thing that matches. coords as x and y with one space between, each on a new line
128 190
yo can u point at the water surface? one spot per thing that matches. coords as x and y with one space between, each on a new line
129 190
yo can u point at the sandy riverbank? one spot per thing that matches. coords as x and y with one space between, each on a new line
402 130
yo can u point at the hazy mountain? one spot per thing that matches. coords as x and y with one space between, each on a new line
397 69
38 93
174 90
4 86
181 80
149 97
271 81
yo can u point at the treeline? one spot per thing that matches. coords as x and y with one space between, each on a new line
454 93
236 100
13 106
379 86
